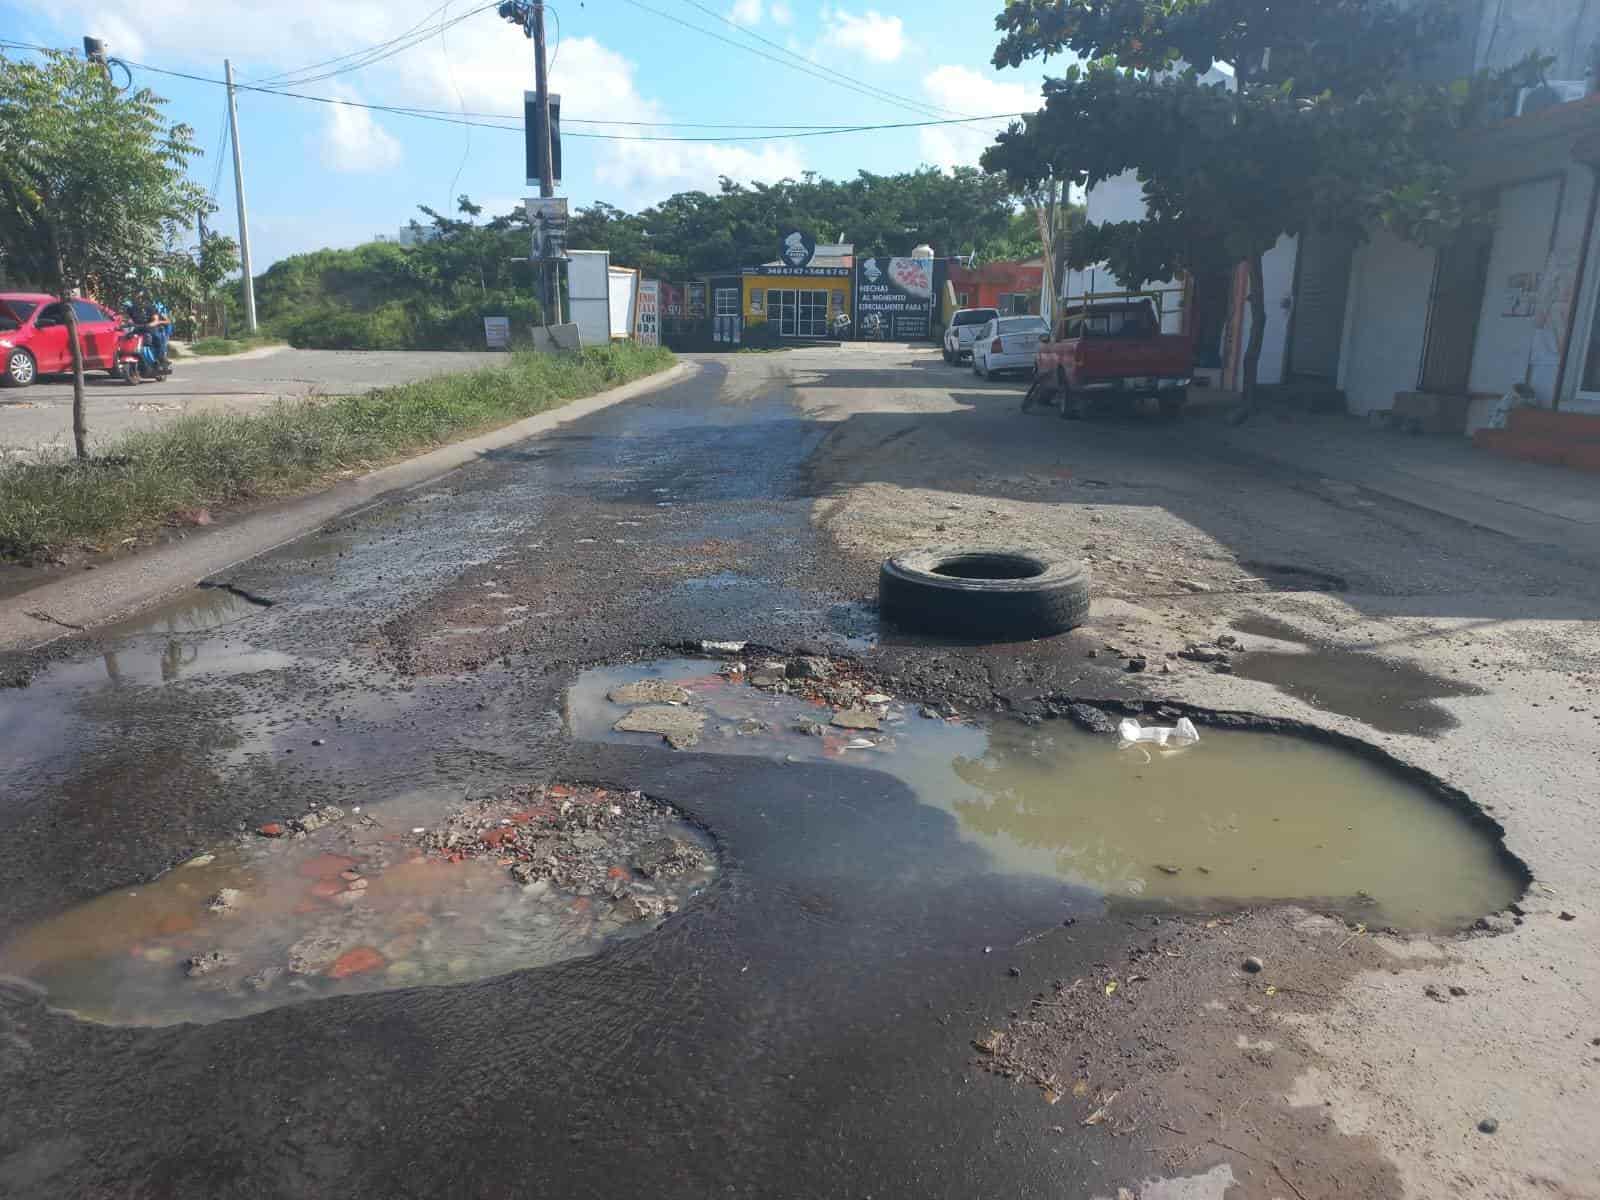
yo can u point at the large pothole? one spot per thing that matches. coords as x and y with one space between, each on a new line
334 902
1240 817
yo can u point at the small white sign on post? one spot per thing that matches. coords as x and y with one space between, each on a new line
497 332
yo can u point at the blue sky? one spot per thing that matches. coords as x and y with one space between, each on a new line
321 175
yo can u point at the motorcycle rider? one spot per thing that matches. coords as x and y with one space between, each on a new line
151 318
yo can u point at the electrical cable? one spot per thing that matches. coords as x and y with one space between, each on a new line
443 116
815 72
466 150
436 116
358 59
782 49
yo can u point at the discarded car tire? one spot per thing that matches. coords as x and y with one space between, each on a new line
983 594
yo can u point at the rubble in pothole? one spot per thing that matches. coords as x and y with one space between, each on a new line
337 901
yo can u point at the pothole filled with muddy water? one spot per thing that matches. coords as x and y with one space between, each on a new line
1235 818
336 902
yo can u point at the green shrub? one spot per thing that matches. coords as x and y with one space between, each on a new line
213 459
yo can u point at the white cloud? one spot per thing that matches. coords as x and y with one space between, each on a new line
352 141
781 13
481 65
871 35
964 90
745 12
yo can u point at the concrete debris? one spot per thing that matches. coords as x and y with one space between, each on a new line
809 667
855 718
318 818
1086 716
668 856
680 727
648 691
205 964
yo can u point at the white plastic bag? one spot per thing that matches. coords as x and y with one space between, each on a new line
1166 736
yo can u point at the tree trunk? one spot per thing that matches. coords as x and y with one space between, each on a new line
80 430
1258 330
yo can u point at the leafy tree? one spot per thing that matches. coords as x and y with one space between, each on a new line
89 177
1333 123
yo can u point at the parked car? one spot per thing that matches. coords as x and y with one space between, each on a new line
963 327
33 337
1008 344
1114 350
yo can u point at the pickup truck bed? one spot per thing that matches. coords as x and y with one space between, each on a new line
1114 351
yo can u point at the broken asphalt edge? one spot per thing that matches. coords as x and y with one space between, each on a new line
120 589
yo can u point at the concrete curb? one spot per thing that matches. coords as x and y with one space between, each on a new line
120 589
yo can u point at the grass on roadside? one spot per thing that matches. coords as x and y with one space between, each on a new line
216 459
212 346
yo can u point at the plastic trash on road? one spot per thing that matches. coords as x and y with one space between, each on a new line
1167 737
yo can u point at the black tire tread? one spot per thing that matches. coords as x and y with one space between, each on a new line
912 596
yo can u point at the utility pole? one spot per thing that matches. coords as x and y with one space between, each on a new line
238 190
541 85
547 178
530 16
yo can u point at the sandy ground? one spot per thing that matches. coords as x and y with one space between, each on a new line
1186 537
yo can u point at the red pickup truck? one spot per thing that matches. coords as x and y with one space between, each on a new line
1114 350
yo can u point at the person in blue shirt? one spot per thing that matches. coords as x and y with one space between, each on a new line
152 318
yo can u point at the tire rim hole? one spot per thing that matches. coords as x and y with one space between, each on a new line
989 566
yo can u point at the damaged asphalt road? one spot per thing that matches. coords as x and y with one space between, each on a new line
807 1027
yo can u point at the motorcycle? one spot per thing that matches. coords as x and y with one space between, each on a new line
135 358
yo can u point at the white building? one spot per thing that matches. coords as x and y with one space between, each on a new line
1386 317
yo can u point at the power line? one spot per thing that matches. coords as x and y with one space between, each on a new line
838 76
357 59
444 116
440 117
809 69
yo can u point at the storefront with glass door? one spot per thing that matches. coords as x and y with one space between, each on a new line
797 303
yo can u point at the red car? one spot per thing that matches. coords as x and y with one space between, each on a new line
33 337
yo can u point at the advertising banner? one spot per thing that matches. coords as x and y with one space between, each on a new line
894 299
648 330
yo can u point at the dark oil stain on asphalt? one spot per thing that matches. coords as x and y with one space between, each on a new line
1390 696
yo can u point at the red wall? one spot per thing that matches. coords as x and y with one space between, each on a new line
984 284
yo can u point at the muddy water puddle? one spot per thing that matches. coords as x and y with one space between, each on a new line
360 904
1238 817
1391 696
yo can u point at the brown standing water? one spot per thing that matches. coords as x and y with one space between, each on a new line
1239 817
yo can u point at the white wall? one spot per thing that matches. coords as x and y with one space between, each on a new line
588 295
1385 321
1277 273
1504 345
1507 30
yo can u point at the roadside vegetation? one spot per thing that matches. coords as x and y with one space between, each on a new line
434 293
209 460
211 347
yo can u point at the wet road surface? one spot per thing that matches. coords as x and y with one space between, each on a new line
804 1029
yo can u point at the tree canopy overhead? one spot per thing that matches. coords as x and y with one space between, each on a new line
92 179
1325 115
692 233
